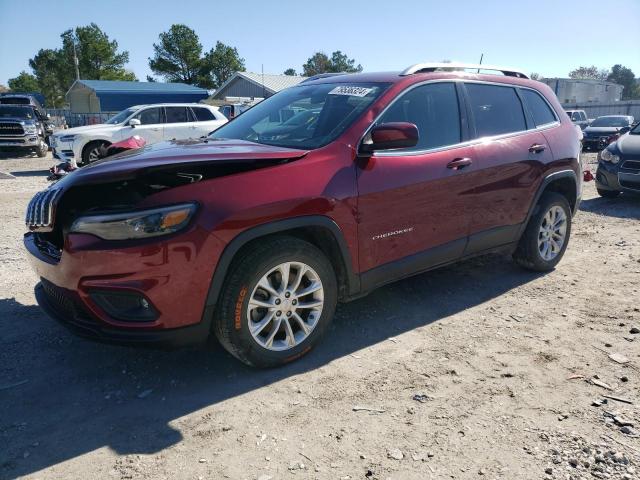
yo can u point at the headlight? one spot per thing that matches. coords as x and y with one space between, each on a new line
607 156
30 129
67 138
140 224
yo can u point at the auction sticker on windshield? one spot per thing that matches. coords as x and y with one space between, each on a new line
351 91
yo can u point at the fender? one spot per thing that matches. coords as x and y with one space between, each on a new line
353 280
546 181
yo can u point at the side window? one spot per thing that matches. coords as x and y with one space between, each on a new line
203 114
497 110
176 114
433 108
150 116
583 116
542 113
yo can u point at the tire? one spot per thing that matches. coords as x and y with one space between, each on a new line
234 317
530 252
608 193
90 150
42 150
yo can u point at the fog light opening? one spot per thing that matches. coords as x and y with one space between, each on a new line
125 306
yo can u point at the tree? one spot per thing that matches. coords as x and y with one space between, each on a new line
178 55
3 89
98 57
219 64
319 63
54 74
291 72
24 82
589 73
624 76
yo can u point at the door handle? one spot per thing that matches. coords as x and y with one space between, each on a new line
458 163
537 148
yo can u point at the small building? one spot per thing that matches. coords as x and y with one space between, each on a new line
97 96
249 85
569 90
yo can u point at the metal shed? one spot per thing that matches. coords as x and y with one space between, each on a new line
255 85
95 96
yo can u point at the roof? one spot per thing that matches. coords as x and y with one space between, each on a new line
272 83
119 86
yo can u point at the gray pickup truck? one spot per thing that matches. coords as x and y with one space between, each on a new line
23 127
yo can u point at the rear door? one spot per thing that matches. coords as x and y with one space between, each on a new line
414 204
179 124
151 125
206 121
511 153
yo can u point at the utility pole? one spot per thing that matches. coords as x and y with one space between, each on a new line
481 57
263 87
75 58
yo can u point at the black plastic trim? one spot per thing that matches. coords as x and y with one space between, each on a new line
492 238
353 280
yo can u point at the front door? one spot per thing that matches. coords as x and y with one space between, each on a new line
413 206
151 125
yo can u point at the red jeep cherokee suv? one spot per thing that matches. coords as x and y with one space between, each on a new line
319 194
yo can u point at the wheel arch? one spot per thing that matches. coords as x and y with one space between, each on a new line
564 182
318 230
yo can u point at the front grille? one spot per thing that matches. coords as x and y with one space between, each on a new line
47 248
632 165
65 304
41 210
11 140
11 128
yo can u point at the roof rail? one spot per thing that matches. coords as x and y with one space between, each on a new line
322 75
432 67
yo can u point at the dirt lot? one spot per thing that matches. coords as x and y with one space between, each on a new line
479 370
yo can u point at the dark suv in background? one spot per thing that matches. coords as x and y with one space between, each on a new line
604 130
25 128
255 233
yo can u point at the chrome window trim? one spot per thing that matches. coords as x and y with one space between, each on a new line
468 143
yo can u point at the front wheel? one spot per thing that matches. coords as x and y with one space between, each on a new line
42 149
546 237
278 300
92 152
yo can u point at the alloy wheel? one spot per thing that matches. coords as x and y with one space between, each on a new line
552 233
285 306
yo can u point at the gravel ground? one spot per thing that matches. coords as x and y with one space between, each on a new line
475 370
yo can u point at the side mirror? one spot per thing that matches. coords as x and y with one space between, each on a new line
389 136
48 116
134 122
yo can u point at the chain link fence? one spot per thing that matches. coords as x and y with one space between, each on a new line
63 118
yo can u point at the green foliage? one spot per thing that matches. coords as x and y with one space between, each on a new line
178 55
319 63
589 73
23 83
624 76
219 64
291 72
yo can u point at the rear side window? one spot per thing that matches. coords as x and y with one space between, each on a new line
203 114
433 108
176 114
540 110
497 110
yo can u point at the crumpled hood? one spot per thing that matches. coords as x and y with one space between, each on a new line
161 155
601 130
629 144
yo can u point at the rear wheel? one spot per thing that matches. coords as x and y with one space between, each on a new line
608 193
91 152
278 300
546 237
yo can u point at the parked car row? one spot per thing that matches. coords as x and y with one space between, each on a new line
619 165
318 194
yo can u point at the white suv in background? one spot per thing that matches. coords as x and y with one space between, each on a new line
154 123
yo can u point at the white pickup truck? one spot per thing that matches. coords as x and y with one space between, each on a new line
155 123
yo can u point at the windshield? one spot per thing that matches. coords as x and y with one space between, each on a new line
635 130
121 117
306 116
610 122
16 112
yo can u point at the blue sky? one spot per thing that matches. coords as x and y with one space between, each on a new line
550 37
